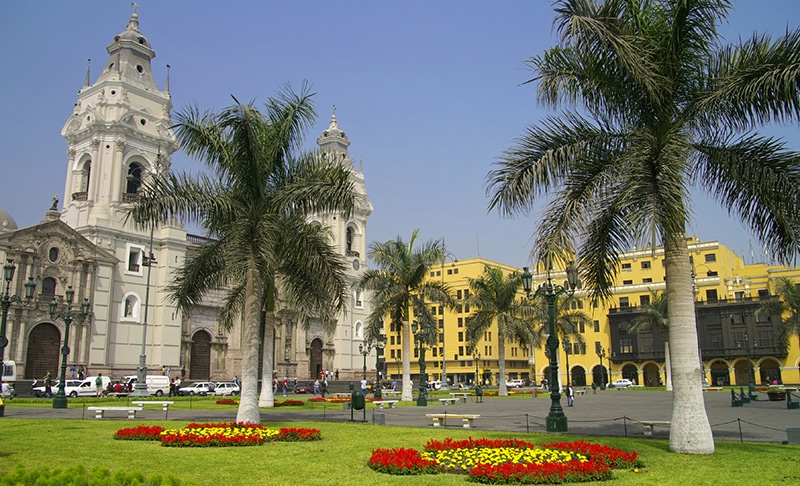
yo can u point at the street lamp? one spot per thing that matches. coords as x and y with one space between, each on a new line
60 400
421 337
556 420
365 350
445 255
5 303
140 387
567 349
751 386
601 353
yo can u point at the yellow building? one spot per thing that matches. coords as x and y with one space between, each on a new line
728 292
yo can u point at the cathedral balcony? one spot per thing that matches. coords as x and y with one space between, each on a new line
80 196
352 253
129 197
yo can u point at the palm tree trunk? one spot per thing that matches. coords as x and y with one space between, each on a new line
248 404
501 358
267 397
667 366
690 432
407 387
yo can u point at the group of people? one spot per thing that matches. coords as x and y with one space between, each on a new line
174 385
77 373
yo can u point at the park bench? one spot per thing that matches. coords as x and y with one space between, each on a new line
582 391
164 404
99 411
390 393
381 403
465 418
648 425
448 401
461 396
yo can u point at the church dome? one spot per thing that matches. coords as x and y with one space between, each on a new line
132 33
7 223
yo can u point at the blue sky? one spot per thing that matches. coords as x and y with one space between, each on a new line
429 93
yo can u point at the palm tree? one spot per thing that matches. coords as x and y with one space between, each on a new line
255 206
399 286
495 297
787 305
655 315
657 106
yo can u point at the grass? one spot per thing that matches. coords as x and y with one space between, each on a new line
341 457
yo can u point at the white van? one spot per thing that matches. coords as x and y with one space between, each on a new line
157 385
87 387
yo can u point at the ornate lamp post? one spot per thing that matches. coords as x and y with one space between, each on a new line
601 353
567 350
751 377
5 303
60 400
556 420
365 350
140 387
445 255
421 339
476 355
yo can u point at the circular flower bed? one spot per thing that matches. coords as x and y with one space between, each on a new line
217 435
507 461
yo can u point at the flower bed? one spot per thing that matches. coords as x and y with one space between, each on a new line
289 403
217 435
227 401
507 461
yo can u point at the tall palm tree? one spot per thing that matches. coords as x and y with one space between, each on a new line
254 206
657 106
398 286
655 315
496 299
787 305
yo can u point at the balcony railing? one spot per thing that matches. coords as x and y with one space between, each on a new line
80 196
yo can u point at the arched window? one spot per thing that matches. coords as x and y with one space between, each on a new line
359 299
86 172
134 178
349 239
49 286
359 331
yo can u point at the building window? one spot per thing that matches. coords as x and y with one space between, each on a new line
623 302
459 309
348 240
644 300
460 335
646 343
433 274
460 351
458 294
359 331
597 346
737 319
133 179
359 298
765 339
391 342
466 307
441 323
626 267
596 326
53 254
455 271
460 322
646 265
581 327
711 295
625 346
49 286
627 282
134 260
647 280
583 348
391 353
711 257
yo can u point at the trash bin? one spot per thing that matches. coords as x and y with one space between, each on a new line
357 399
793 435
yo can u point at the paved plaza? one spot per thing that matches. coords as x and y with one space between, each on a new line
606 413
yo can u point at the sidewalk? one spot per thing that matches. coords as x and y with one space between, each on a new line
608 413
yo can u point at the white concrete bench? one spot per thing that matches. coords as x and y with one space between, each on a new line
579 392
381 403
465 418
648 425
448 401
461 396
390 393
99 411
164 404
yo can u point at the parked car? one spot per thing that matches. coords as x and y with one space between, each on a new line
515 383
71 386
434 385
305 389
622 383
226 388
201 388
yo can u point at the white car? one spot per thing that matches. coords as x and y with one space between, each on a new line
515 383
226 388
202 388
72 386
622 383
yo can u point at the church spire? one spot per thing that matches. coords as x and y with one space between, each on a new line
88 80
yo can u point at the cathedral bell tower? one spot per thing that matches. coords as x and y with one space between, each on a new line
118 134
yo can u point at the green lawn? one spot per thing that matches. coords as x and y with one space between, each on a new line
341 457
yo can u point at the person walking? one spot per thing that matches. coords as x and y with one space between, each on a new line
570 396
98 385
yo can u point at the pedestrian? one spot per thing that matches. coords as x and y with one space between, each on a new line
81 374
183 373
98 385
294 390
235 380
72 371
570 396
336 373
48 385
284 385
316 387
171 387
169 371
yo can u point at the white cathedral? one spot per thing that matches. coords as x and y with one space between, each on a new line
117 136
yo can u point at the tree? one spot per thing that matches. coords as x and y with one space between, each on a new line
787 305
255 206
655 316
658 106
399 286
495 298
